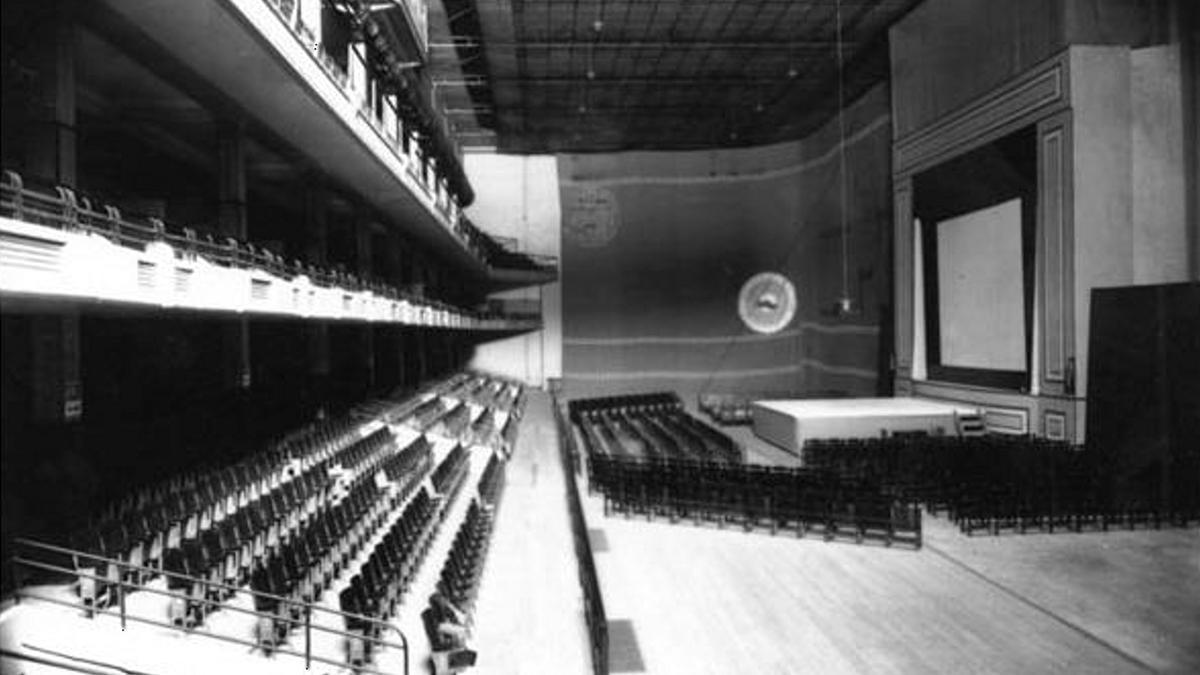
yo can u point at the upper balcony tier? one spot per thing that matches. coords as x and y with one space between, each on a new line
58 247
261 56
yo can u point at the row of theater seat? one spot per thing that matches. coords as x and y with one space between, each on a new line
460 575
239 507
376 589
655 401
755 496
491 482
1013 483
450 470
657 433
284 524
456 422
294 557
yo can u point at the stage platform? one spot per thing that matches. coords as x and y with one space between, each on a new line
787 424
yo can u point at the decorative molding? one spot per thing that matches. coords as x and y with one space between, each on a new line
904 273
1054 425
1006 420
1054 253
1040 91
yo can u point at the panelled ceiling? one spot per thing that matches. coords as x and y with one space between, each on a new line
533 76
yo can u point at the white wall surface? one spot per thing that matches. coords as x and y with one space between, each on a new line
517 196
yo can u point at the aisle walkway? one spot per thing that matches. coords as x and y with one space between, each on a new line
529 617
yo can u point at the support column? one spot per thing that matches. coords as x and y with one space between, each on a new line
50 153
364 248
231 179
231 222
316 252
50 146
363 234
367 352
57 379
359 75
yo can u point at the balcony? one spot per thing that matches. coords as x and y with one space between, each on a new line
56 246
260 55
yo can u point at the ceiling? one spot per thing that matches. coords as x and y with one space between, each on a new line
540 76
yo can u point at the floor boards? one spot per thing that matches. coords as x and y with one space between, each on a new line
703 600
529 615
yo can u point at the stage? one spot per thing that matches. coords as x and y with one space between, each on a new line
787 424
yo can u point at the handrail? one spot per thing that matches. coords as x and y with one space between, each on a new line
17 561
67 211
65 666
593 599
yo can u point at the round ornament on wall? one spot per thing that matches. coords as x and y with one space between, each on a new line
767 302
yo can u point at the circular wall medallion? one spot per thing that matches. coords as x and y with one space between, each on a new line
767 302
590 216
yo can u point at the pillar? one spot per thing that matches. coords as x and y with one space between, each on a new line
364 248
50 142
356 67
50 153
316 252
231 222
57 380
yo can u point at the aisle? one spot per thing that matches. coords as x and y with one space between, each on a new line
529 617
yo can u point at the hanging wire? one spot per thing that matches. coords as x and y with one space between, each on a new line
844 300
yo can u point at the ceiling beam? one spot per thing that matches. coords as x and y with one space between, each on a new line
622 81
642 44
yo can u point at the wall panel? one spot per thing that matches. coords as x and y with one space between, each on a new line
656 247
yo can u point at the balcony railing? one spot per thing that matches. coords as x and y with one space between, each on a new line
385 118
63 209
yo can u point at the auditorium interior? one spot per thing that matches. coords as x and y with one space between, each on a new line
402 337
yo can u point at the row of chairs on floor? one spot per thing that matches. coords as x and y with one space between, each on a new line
269 482
428 413
491 482
301 559
460 575
455 422
727 410
509 435
459 581
655 401
1018 484
483 430
665 434
754 496
451 470
376 589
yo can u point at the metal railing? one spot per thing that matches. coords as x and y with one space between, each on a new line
63 209
21 564
593 600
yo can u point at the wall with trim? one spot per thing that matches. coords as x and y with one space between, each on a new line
517 197
656 246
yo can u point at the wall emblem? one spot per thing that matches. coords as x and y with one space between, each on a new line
590 218
767 302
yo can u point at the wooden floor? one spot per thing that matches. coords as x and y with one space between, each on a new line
529 615
703 600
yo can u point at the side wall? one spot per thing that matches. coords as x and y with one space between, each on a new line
657 245
517 197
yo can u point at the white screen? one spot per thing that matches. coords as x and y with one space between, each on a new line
980 289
